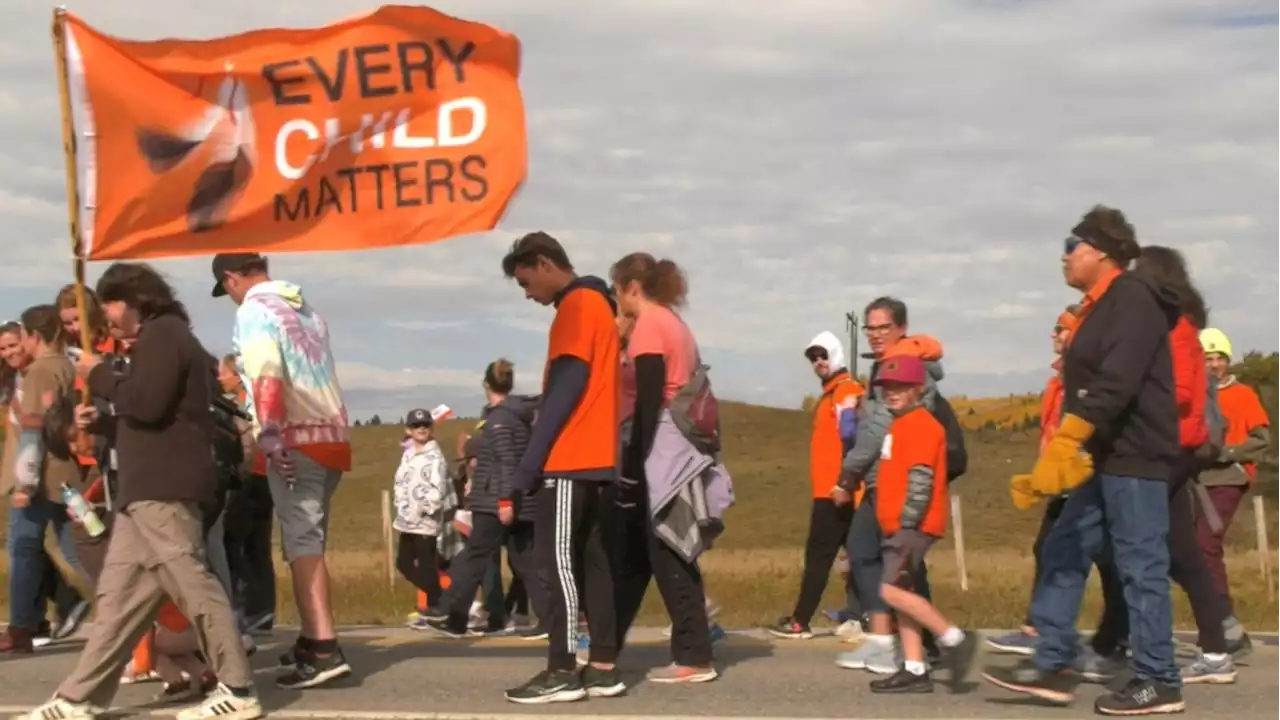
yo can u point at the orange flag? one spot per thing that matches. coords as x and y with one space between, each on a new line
398 127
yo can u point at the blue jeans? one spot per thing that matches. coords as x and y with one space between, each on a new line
1131 515
865 565
28 561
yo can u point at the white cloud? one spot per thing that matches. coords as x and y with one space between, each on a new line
797 159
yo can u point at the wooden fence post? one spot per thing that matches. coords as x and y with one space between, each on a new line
957 522
1264 546
387 539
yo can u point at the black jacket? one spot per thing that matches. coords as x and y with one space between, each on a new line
503 440
164 429
1118 376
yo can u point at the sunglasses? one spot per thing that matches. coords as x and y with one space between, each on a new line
418 426
1070 244
815 355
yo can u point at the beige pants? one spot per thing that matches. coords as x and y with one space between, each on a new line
156 550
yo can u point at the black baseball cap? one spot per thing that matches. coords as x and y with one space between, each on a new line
418 416
224 263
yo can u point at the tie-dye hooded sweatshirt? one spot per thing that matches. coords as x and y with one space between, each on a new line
288 371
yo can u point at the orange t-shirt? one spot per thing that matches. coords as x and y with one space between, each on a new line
1243 412
915 439
826 450
584 328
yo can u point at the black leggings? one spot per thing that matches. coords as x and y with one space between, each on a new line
1187 567
828 530
417 561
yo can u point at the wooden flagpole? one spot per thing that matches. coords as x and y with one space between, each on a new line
73 180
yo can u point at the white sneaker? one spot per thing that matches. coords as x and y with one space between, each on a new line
870 652
223 705
850 631
60 709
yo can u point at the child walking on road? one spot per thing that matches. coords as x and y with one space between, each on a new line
912 507
425 502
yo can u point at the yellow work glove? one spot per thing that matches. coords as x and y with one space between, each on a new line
1024 498
1063 464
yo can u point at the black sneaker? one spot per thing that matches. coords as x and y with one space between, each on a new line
289 657
1142 697
789 629
314 670
959 660
537 632
549 686
452 630
903 682
1057 687
435 613
602 683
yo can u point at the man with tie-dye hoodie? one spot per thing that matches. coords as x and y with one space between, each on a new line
300 424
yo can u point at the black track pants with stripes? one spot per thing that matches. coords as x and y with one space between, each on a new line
573 562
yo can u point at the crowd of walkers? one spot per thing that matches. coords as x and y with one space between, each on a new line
160 469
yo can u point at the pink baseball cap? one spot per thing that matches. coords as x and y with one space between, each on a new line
901 369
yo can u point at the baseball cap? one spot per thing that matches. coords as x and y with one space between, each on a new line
901 369
418 416
224 263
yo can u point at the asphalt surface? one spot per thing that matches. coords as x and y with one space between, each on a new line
407 675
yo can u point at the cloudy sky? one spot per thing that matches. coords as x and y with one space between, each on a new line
797 158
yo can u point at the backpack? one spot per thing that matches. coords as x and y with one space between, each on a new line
1214 419
957 455
696 412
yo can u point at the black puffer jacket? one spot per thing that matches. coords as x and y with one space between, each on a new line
1118 376
503 439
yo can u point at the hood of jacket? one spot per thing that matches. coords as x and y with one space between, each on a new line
1166 297
287 291
590 282
835 349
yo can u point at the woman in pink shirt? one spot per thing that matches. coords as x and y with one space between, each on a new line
660 358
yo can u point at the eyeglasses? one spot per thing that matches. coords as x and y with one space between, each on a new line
876 329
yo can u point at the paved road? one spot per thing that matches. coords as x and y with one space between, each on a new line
403 675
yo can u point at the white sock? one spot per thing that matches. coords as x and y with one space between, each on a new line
884 641
952 637
915 667
1216 657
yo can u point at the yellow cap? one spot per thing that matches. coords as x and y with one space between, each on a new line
1214 341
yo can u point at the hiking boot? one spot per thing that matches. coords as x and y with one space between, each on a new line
1141 697
1054 686
62 709
1016 643
1212 669
16 640
873 651
225 704
903 682
789 629
959 660
549 686
601 682
674 674
314 670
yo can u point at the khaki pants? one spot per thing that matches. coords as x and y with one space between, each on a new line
156 550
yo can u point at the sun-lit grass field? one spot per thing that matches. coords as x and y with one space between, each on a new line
754 571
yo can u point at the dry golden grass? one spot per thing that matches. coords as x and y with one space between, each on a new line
754 572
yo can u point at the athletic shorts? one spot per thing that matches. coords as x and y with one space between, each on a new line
303 507
902 554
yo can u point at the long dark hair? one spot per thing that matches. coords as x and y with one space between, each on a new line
139 286
1168 268
8 376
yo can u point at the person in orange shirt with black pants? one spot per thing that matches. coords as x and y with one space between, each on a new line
835 426
572 461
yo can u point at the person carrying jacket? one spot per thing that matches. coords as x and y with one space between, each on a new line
834 427
1116 452
1226 478
496 520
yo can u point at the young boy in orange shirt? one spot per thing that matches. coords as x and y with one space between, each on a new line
912 508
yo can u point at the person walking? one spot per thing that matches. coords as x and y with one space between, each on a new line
425 502
164 439
1118 376
570 463
300 424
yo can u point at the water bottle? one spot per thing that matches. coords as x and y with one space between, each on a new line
82 511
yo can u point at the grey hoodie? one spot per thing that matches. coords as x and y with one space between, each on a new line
863 460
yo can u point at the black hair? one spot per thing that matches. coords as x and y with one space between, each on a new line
1167 267
139 286
526 251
